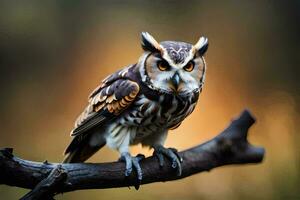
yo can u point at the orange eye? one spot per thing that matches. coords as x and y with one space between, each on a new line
189 67
162 66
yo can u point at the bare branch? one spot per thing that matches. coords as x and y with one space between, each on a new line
48 186
229 147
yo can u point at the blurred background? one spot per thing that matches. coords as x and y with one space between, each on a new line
54 53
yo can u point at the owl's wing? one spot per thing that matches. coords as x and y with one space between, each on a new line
106 102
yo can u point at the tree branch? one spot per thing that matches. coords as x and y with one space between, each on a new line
47 187
229 147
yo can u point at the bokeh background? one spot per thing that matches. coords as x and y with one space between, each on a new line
54 53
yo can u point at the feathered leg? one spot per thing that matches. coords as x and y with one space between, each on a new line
130 161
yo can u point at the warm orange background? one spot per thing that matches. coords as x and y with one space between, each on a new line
54 53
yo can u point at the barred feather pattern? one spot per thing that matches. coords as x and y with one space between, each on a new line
147 118
137 116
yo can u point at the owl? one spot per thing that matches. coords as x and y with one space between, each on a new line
140 103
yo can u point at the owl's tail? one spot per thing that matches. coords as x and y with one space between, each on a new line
80 149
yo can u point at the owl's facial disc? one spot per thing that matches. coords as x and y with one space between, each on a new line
173 67
169 78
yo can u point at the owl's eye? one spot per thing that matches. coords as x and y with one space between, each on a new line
189 66
163 66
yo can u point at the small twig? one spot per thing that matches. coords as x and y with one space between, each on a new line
48 186
229 147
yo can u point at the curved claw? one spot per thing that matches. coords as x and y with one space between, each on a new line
131 162
172 155
175 151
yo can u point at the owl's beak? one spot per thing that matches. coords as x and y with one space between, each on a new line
176 81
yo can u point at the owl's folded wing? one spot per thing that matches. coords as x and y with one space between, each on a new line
105 103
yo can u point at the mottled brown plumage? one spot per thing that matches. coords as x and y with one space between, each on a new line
113 96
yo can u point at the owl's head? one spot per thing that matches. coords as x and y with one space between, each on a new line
173 67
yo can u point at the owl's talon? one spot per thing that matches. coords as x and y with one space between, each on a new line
126 157
160 158
171 154
133 162
174 164
175 151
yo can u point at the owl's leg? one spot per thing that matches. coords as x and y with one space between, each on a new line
130 161
156 141
171 154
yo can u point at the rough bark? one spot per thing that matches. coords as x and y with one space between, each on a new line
46 179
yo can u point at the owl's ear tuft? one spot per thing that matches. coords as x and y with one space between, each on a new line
149 43
201 46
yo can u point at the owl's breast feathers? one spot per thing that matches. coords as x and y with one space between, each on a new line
123 99
155 110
